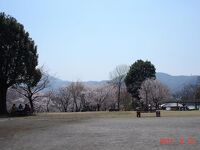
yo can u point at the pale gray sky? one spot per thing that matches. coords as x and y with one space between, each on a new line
87 39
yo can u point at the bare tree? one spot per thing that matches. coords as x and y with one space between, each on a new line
61 99
152 92
100 98
76 90
44 103
32 88
188 92
126 100
117 80
145 92
64 98
89 100
191 93
48 100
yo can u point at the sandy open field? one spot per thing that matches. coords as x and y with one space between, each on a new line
101 131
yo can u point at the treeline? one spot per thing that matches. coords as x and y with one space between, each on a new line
113 95
74 98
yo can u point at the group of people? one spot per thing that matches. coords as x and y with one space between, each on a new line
20 109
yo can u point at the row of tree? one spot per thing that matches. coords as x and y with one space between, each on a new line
112 95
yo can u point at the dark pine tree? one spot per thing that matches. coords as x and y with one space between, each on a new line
18 56
139 71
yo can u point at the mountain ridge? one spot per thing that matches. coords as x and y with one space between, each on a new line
174 83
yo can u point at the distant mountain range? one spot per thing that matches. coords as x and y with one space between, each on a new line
56 83
174 83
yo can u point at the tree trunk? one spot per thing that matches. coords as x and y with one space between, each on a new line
133 103
98 107
76 105
196 105
118 96
156 105
3 106
31 103
47 106
73 107
147 102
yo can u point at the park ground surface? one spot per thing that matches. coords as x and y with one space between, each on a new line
102 131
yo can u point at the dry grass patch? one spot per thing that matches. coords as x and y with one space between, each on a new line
120 114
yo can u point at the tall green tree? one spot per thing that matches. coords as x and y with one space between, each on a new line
18 56
139 71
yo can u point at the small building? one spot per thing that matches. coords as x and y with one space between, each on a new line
181 105
172 106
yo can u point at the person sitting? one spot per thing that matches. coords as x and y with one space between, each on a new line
27 109
20 107
13 109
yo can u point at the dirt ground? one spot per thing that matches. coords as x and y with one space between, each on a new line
100 131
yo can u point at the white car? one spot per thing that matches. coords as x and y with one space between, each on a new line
168 108
191 107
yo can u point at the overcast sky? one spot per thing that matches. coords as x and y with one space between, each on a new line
87 39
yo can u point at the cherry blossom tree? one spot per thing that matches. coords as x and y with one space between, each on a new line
152 92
